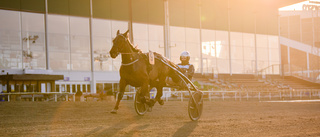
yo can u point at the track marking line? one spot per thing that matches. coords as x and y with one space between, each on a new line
315 100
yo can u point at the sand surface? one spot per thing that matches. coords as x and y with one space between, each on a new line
219 118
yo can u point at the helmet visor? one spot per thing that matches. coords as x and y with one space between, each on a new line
183 57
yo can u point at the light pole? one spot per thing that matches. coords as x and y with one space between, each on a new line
101 58
28 54
166 30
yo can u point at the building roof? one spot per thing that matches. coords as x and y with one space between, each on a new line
31 77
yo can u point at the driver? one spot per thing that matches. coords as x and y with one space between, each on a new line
185 66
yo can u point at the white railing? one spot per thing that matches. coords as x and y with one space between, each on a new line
34 95
208 95
241 95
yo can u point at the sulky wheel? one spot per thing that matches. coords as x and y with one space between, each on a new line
195 106
140 107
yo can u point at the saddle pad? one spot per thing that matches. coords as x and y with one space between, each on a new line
151 58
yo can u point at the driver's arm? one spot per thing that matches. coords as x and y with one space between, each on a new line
190 71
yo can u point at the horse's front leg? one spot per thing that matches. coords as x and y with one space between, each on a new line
122 85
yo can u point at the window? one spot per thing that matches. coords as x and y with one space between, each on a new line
156 38
58 42
178 42
88 88
84 88
80 43
141 36
222 51
33 41
209 51
10 48
57 88
237 57
101 31
193 46
74 88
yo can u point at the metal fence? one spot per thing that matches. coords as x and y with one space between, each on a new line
237 95
37 96
172 96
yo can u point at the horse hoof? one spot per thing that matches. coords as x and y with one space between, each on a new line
152 102
114 111
161 102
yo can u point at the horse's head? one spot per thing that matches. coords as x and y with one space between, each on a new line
119 44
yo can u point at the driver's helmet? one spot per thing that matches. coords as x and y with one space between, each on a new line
185 56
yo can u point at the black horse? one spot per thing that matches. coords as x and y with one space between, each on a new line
136 70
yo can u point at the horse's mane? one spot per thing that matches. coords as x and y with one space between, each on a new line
135 49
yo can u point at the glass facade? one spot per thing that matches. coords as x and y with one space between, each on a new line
71 38
249 54
209 54
177 42
59 42
102 42
80 44
299 39
69 44
103 32
10 43
262 51
33 40
236 44
222 43
185 39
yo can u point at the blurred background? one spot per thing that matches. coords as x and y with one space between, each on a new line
71 39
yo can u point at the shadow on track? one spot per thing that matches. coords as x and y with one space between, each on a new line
114 129
186 130
93 131
137 128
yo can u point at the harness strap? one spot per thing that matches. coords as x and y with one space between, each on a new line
130 63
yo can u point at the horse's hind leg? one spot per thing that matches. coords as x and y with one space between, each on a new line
159 94
145 94
122 85
160 85
159 88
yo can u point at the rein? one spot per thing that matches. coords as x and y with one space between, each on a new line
127 64
130 63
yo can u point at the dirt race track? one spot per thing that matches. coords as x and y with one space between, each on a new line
220 118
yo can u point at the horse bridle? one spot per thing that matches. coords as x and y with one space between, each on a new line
130 63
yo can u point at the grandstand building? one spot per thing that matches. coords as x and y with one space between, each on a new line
230 37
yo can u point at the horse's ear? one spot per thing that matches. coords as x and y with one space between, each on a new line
118 32
126 33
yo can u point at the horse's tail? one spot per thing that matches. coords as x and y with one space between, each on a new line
171 72
166 61
175 71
